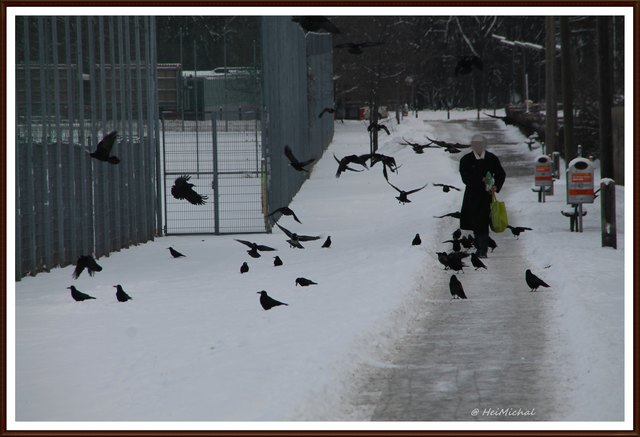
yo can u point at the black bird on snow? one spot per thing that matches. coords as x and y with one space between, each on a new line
326 111
285 210
277 261
467 241
443 259
356 48
418 148
446 188
268 302
175 253
404 195
327 243
78 295
467 64
103 150
183 189
244 268
476 262
88 262
457 246
378 127
120 294
255 248
295 238
456 234
533 281
455 215
293 161
455 287
491 243
316 24
455 262
304 282
343 164
417 241
517 230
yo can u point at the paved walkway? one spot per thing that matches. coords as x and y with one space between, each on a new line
486 353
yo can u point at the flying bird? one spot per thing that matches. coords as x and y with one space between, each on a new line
183 189
277 261
327 243
378 127
517 230
78 295
293 161
450 147
404 195
343 165
103 150
387 162
326 111
476 262
356 48
88 262
175 253
533 281
295 239
455 287
316 24
268 302
455 215
120 294
417 241
418 148
255 248
446 188
244 268
304 282
466 65
286 211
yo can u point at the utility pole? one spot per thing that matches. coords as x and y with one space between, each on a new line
567 90
551 106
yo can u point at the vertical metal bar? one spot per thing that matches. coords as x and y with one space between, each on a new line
72 217
124 194
216 191
57 98
106 229
86 227
143 223
96 209
18 210
131 164
154 208
164 172
116 240
31 219
156 119
196 99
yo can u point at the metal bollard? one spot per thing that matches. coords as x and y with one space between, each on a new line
608 213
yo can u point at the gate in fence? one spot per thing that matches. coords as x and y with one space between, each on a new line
222 154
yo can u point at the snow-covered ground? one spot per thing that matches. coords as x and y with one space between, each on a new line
194 344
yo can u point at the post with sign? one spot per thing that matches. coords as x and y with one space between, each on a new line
608 202
543 178
579 185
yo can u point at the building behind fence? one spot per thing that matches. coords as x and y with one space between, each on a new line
78 78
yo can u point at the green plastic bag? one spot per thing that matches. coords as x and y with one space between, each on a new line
499 220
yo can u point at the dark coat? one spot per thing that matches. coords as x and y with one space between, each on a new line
475 212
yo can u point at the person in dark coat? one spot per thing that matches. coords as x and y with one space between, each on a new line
476 203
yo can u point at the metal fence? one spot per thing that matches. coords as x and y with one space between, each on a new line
78 78
298 84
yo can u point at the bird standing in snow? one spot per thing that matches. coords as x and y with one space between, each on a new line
88 262
533 281
244 268
103 150
175 253
477 262
183 189
120 294
304 282
78 295
277 261
417 241
455 287
268 302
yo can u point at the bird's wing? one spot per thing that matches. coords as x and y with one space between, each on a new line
93 266
308 238
396 188
80 265
526 229
289 154
305 163
438 185
180 186
295 217
106 144
323 112
455 188
265 248
275 212
245 242
195 198
385 129
416 190
285 230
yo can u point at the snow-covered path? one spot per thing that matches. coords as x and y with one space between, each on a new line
489 352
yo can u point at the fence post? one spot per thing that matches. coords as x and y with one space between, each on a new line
216 197
608 213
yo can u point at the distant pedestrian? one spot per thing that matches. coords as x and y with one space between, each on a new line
475 166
